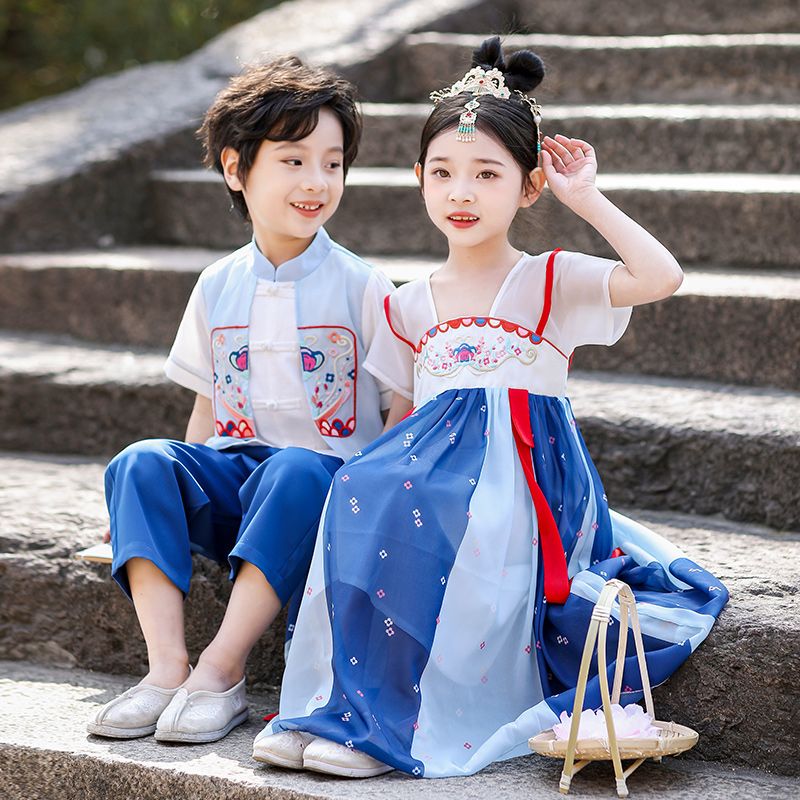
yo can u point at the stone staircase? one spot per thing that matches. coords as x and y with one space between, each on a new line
693 418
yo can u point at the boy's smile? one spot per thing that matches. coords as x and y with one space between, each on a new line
292 188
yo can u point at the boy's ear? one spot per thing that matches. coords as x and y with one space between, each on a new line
229 158
533 189
418 173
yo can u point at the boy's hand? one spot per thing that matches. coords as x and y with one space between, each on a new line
570 166
107 535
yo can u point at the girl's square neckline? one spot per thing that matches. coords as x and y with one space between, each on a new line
492 310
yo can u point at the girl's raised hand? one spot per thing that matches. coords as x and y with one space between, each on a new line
570 166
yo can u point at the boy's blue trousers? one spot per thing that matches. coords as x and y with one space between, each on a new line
168 499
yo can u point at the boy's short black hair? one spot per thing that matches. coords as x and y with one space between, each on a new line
279 101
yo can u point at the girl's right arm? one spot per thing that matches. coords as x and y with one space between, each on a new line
201 422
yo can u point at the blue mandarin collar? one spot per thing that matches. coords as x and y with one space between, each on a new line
296 268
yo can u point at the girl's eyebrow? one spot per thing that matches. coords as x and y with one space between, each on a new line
477 160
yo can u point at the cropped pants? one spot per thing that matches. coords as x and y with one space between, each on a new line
168 499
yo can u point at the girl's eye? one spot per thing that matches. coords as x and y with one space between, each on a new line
294 162
334 165
487 173
441 173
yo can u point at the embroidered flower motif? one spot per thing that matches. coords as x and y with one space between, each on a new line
408 484
416 770
354 661
415 688
346 716
359 693
345 477
309 591
318 698
484 679
390 631
467 746
527 649
381 593
383 553
483 645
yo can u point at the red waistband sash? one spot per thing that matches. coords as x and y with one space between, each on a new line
556 582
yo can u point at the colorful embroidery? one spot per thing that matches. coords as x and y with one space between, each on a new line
490 344
233 415
330 369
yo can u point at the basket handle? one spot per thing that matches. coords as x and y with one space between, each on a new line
597 634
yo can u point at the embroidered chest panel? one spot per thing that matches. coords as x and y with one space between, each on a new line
233 414
476 344
329 361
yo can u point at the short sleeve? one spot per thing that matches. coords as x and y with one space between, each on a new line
189 361
390 357
582 306
378 286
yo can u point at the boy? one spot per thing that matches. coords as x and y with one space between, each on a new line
272 342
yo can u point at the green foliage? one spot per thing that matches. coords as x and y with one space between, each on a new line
49 46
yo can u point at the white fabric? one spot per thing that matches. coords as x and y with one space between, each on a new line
466 684
277 394
581 313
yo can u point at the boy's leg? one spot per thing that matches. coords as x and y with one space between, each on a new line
167 499
281 505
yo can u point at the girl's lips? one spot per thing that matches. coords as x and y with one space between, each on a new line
462 220
308 212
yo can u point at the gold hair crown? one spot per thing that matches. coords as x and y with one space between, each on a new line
479 81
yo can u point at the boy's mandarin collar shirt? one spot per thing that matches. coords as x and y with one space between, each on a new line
295 269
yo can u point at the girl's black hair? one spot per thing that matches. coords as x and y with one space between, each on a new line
509 121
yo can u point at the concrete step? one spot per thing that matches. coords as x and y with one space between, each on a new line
660 443
686 138
46 754
675 68
622 17
137 296
712 218
61 612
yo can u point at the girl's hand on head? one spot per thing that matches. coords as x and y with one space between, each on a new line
570 166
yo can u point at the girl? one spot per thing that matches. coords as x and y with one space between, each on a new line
460 555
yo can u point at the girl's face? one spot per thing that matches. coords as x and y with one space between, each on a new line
473 190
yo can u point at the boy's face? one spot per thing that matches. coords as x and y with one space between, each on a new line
292 188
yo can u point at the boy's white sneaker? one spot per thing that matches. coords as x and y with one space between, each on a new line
284 749
331 758
134 713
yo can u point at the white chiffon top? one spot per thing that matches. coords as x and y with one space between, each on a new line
548 305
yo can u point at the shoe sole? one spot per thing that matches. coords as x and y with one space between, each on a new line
203 736
346 772
278 761
119 733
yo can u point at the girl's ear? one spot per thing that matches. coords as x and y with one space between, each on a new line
229 158
532 190
418 173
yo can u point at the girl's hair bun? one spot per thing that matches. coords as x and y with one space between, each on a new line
523 70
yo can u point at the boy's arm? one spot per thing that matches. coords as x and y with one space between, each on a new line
201 422
399 408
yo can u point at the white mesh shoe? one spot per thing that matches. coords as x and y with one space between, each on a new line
331 758
283 749
134 713
203 716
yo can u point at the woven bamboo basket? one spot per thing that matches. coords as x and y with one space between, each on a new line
577 753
